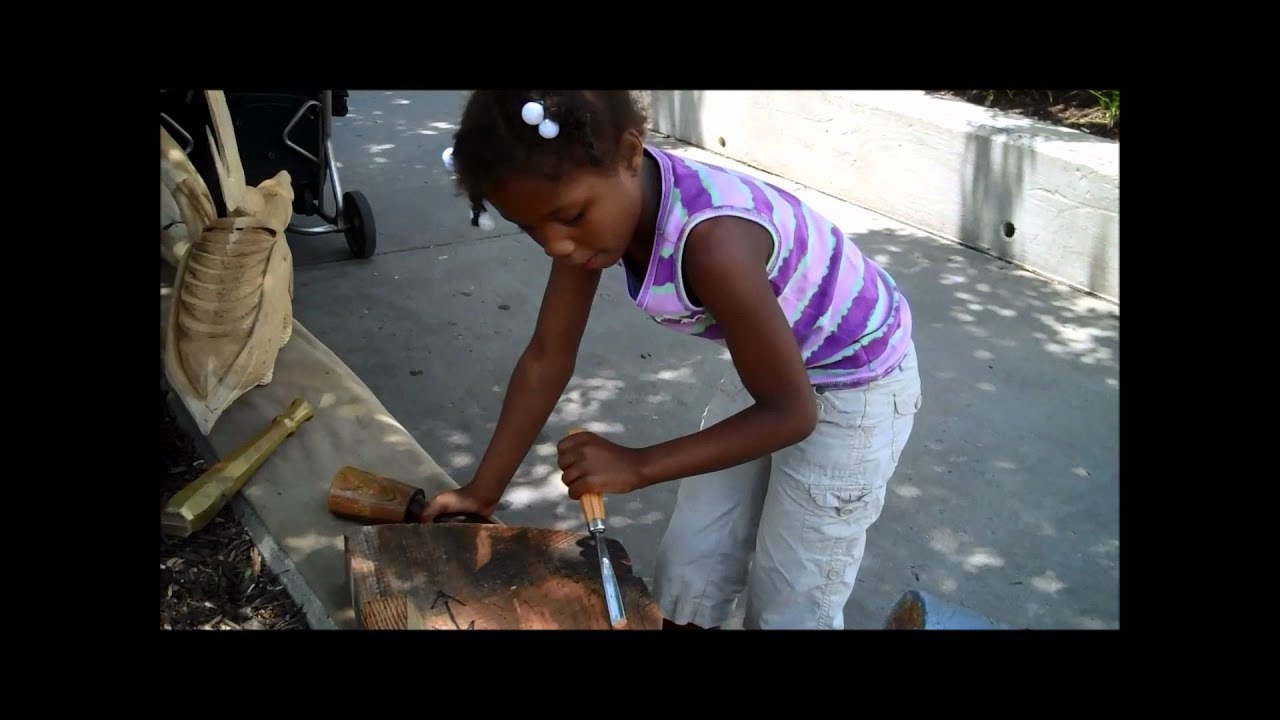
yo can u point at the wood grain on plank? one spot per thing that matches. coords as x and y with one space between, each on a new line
384 613
488 577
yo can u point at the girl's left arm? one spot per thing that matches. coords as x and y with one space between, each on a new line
724 263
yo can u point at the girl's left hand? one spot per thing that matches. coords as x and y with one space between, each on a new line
593 464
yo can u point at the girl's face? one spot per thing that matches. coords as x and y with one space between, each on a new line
588 217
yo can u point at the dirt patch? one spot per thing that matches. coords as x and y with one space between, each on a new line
215 579
1076 109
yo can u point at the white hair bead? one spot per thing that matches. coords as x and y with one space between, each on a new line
549 128
447 156
532 113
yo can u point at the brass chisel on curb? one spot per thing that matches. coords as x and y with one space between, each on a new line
593 511
203 498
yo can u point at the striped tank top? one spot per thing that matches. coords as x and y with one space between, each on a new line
851 323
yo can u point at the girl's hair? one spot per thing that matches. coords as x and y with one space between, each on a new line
494 139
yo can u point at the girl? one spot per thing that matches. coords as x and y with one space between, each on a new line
789 469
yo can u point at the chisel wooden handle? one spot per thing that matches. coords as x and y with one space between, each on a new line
592 503
593 510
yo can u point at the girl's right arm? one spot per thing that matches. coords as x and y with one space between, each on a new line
536 384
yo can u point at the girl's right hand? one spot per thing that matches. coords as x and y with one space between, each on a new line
463 500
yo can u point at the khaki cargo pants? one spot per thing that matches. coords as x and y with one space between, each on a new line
790 528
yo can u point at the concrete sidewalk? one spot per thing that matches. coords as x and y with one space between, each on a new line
1007 499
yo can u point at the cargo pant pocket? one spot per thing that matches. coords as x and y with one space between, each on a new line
840 511
906 403
835 535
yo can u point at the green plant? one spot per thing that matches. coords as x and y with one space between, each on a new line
1109 101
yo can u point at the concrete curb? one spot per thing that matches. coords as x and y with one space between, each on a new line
273 556
279 562
1043 197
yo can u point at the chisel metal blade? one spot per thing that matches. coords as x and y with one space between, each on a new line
593 513
612 594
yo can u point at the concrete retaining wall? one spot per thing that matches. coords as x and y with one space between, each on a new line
1042 196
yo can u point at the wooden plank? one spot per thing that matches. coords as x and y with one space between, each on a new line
384 613
461 576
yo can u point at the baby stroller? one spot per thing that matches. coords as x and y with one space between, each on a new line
279 130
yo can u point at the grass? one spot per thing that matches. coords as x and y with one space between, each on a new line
1096 112
1109 101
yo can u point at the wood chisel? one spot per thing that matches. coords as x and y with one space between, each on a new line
188 511
593 511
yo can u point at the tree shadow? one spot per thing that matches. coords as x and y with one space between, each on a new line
1007 497
995 171
1002 209
680 110
1001 215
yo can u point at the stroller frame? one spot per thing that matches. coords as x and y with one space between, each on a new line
352 215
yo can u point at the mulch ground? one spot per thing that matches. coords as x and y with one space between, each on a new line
1077 109
215 579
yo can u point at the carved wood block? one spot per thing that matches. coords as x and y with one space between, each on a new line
460 576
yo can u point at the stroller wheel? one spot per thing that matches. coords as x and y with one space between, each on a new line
362 233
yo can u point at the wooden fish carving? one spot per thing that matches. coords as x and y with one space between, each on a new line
232 302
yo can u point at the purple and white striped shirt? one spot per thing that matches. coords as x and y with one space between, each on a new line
849 319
